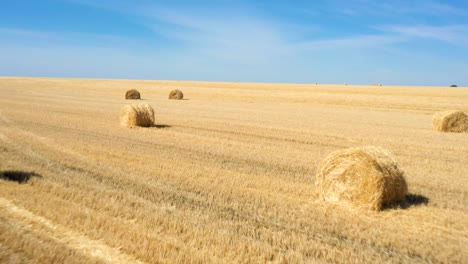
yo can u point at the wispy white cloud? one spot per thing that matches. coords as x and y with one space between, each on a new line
8 32
43 37
399 8
233 34
236 37
454 34
359 41
242 36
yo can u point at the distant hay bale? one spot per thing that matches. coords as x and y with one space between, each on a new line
132 94
176 94
450 121
376 84
137 115
346 84
365 177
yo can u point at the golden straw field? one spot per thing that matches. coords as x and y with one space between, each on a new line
225 176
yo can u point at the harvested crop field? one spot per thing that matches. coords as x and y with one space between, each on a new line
225 176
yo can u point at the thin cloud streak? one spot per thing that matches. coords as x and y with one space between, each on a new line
453 34
398 8
362 41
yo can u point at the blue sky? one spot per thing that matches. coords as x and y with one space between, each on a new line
398 42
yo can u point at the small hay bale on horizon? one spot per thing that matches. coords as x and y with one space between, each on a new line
366 177
176 95
450 121
132 94
137 115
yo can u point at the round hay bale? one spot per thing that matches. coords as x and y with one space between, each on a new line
450 121
366 177
137 115
176 95
132 94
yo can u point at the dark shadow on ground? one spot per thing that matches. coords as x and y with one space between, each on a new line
18 176
162 126
410 200
141 99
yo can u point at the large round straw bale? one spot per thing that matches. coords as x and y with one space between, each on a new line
176 94
137 115
366 177
132 94
450 121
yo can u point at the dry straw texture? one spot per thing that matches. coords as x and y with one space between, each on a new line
365 177
176 94
450 121
132 94
228 180
137 115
